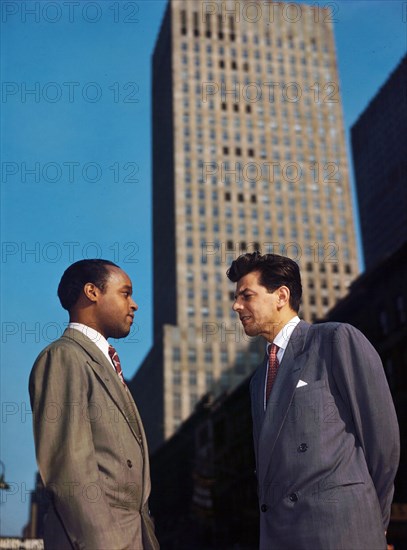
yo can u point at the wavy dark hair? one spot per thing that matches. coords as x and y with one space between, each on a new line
275 271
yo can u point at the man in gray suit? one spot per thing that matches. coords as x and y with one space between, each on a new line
90 443
325 430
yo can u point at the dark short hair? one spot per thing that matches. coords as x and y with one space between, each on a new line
77 275
275 271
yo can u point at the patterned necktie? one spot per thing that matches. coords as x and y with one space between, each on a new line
273 368
116 362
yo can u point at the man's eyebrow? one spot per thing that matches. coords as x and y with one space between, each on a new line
243 291
127 287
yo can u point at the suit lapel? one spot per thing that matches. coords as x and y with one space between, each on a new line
257 394
282 394
109 379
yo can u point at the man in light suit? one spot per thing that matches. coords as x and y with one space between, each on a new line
325 430
90 444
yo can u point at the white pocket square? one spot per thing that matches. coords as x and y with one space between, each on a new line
301 383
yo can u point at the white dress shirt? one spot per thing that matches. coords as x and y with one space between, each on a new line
281 340
99 340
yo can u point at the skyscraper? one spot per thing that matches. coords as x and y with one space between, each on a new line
248 152
379 148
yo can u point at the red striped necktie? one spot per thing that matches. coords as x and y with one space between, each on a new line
273 368
116 362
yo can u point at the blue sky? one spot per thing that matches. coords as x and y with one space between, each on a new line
76 172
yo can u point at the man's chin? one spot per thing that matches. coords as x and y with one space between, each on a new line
250 330
121 333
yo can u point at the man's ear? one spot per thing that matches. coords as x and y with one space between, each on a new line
283 294
91 292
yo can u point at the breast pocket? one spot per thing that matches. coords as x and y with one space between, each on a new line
312 404
310 386
316 405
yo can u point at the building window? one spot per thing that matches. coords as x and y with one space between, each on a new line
232 33
176 354
192 377
196 26
193 398
191 311
176 377
208 379
220 33
176 399
183 22
225 380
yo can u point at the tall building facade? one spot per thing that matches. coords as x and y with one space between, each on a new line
248 153
379 147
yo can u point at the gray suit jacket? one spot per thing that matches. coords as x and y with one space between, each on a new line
91 450
326 451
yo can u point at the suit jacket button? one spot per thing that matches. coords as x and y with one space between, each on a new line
264 508
129 464
302 448
293 497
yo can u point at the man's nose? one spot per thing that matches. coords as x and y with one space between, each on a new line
134 305
236 306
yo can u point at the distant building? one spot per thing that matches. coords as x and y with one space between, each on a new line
379 145
248 153
204 492
13 543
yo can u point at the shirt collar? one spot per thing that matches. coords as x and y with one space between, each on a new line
282 338
93 335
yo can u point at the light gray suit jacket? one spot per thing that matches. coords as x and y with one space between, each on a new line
91 450
326 451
